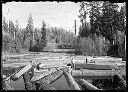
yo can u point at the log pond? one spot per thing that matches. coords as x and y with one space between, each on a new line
61 83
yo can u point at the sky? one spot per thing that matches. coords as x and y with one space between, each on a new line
55 14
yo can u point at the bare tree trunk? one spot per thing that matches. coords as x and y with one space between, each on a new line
14 35
33 38
125 44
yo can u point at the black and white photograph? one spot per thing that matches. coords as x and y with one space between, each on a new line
63 45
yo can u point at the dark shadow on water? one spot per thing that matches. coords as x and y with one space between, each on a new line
61 84
18 84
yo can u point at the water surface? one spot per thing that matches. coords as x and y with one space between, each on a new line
18 84
61 84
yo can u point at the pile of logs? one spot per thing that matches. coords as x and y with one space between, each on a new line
44 80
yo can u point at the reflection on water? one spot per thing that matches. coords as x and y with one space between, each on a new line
61 84
18 84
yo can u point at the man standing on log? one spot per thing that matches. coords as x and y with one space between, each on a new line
38 66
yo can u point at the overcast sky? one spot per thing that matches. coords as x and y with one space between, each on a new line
60 14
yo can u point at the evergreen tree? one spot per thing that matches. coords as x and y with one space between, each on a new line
29 29
43 36
4 25
11 28
16 28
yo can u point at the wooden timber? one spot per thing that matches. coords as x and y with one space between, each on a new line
95 74
71 81
86 85
21 72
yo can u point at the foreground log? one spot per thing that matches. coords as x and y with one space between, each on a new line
95 74
21 72
71 81
44 86
119 82
86 85
27 77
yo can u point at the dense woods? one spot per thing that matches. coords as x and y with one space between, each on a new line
105 34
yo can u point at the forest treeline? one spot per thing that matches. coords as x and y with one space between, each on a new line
17 39
104 35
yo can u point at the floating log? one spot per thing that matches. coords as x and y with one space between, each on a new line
27 78
71 81
51 66
44 86
101 58
36 78
119 82
16 64
21 72
86 85
96 66
95 74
